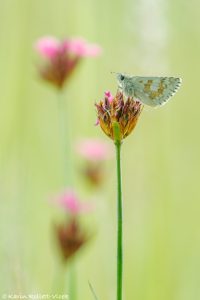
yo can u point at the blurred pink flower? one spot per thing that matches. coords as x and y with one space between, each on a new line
94 149
47 46
62 57
71 203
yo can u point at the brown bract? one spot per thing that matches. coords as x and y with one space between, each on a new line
94 173
71 238
123 111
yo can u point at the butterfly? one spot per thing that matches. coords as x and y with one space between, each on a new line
152 91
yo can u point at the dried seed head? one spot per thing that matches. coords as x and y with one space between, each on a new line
121 111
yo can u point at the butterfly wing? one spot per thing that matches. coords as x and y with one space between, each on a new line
155 91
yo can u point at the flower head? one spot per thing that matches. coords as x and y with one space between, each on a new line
118 111
94 153
70 202
71 237
61 57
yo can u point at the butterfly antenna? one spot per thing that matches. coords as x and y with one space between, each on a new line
93 291
114 72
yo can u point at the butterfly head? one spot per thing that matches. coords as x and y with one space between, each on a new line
121 80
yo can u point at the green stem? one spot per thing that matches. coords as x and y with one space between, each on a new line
65 125
65 137
72 281
117 139
119 223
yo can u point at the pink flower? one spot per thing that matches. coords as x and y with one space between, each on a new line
71 203
47 47
62 57
94 149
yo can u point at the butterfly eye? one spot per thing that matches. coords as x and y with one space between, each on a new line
122 77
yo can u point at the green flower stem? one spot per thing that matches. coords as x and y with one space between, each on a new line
72 281
65 137
65 125
116 131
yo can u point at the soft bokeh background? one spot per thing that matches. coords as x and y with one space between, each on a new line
160 160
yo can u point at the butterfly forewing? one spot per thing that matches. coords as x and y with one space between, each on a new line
155 91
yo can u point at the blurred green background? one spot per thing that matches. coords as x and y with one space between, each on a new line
160 160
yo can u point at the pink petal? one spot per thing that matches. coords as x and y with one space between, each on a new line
66 45
97 122
109 96
80 47
94 149
47 47
93 50
71 203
